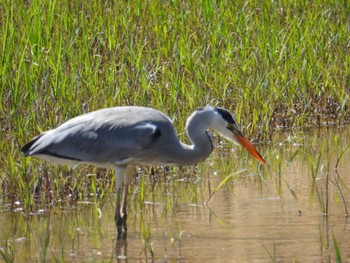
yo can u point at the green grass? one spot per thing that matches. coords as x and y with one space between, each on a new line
272 63
275 64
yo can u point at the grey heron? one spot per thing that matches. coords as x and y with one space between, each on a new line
124 137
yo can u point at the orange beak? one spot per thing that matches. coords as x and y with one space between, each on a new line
243 141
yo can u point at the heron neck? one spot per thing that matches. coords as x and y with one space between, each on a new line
202 145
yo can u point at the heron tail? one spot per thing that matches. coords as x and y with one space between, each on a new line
27 147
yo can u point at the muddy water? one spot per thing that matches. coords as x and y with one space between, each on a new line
260 215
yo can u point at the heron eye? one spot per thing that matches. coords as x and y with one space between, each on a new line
230 126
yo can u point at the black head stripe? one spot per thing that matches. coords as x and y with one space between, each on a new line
226 115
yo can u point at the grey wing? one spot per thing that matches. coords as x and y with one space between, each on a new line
102 144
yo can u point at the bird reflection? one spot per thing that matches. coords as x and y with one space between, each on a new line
121 247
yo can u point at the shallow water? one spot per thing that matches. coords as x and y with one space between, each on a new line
262 214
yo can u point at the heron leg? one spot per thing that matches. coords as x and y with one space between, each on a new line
123 178
120 213
124 205
119 174
117 217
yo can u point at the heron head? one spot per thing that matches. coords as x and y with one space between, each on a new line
227 127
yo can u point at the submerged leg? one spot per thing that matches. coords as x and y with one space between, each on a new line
123 177
123 208
117 216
